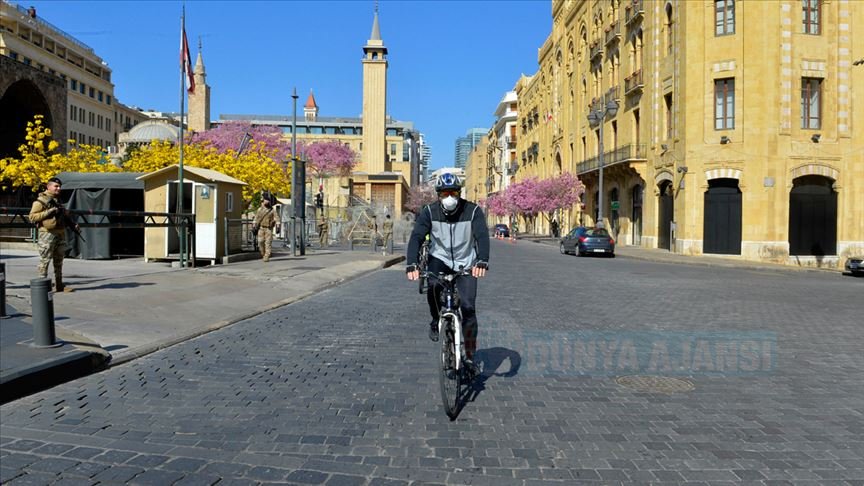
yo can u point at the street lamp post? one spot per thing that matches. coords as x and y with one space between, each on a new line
294 176
597 117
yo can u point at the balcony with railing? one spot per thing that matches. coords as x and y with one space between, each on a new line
596 50
625 153
45 24
613 93
613 32
510 140
634 11
633 83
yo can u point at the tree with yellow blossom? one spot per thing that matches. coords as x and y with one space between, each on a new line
41 161
256 166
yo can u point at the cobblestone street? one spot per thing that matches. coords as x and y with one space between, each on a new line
342 389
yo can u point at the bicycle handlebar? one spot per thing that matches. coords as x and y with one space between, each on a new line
462 273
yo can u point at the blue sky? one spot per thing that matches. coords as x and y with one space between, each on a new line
450 61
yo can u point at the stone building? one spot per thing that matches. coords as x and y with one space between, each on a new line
729 127
478 183
27 38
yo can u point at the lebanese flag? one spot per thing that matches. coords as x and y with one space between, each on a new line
186 63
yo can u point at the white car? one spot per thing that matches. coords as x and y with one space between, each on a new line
855 265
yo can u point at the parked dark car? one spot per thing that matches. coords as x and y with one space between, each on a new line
502 230
585 241
855 265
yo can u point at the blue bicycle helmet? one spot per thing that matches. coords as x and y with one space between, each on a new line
448 182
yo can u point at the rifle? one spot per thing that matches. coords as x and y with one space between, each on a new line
67 220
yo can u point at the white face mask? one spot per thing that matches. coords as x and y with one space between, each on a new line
449 203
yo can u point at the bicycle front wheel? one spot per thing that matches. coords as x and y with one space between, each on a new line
450 376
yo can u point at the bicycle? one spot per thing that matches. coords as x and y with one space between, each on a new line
422 263
453 369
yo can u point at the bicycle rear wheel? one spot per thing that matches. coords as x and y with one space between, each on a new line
450 377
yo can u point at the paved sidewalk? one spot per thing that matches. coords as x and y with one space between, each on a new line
124 309
664 256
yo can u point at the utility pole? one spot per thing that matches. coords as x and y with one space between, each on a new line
294 192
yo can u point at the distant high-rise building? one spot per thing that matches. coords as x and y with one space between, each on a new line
465 144
425 158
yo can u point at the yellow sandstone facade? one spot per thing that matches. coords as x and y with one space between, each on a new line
734 129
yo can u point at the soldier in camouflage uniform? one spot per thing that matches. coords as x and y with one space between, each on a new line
48 214
323 231
388 233
265 221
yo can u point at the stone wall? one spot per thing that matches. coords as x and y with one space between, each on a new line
26 91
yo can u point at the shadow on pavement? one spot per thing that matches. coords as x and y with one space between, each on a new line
124 285
491 359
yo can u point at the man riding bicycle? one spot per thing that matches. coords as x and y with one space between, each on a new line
459 239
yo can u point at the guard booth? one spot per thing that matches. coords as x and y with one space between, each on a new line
210 195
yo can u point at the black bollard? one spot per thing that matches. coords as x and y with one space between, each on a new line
3 290
41 299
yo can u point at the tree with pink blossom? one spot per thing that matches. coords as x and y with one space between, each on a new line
330 158
497 205
420 195
557 193
228 137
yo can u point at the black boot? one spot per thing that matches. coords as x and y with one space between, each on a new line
433 330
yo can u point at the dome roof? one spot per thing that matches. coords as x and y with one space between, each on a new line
150 130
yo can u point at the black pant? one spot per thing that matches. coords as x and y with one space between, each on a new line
467 287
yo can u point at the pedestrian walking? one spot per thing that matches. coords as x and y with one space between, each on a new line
265 221
387 227
323 231
52 219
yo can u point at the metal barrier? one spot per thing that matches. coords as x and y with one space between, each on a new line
239 236
12 218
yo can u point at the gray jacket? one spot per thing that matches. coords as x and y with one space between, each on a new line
459 239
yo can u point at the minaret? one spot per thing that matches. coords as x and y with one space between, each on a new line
374 154
199 101
310 110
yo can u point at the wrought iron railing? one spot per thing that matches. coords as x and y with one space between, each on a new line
45 23
624 153
613 32
635 10
596 49
612 94
633 82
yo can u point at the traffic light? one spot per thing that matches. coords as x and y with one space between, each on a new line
319 200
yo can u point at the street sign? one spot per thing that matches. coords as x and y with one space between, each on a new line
614 205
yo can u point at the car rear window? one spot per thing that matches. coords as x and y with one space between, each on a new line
597 232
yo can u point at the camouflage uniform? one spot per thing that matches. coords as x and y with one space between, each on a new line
388 232
45 213
265 219
323 230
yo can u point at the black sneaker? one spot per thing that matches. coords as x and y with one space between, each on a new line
433 331
471 370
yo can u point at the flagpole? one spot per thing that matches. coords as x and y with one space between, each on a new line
180 142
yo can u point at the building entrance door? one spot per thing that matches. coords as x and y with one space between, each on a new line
665 210
637 215
205 221
812 217
722 218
